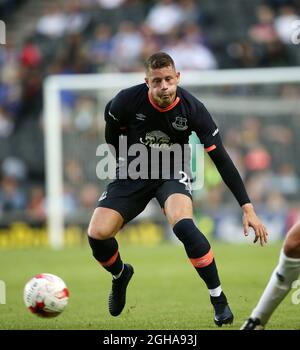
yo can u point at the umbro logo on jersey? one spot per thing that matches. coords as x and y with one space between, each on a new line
140 116
111 115
180 123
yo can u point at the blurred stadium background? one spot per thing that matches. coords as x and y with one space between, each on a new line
260 123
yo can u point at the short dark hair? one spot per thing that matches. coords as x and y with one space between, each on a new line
158 60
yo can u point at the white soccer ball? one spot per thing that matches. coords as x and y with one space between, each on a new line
46 295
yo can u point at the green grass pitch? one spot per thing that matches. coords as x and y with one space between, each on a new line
165 292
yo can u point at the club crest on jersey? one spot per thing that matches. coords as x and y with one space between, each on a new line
180 123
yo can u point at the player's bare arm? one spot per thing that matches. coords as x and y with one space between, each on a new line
250 219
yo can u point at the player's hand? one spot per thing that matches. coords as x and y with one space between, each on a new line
250 219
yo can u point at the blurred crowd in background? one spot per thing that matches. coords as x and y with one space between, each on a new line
94 36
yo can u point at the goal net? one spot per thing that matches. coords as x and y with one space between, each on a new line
257 112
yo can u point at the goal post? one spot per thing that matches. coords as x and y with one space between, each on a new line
53 114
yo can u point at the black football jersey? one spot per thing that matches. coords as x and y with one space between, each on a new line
136 116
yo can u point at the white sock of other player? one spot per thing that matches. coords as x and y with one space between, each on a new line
286 272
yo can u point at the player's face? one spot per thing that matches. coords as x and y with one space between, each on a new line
162 84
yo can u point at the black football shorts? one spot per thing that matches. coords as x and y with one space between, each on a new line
130 197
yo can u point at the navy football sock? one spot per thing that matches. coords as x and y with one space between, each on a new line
199 251
107 254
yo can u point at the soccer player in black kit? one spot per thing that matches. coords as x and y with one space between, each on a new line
158 114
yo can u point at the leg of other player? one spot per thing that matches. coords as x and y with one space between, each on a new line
104 225
280 283
179 212
291 245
